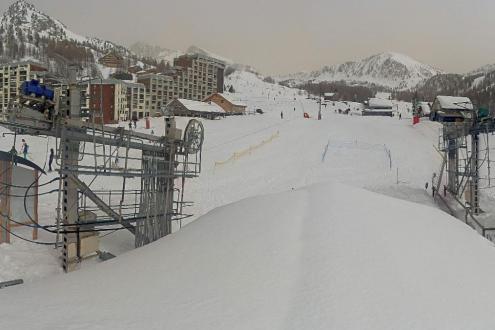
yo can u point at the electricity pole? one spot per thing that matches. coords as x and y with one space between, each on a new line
319 111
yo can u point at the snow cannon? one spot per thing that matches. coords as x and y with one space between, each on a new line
37 97
48 93
33 88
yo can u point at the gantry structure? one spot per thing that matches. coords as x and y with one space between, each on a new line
143 174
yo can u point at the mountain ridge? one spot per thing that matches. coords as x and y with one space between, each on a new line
27 33
390 70
23 20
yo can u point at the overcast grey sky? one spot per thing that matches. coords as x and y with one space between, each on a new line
283 36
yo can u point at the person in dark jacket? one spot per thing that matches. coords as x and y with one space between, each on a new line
50 160
24 148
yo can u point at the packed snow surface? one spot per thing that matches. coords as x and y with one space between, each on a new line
323 257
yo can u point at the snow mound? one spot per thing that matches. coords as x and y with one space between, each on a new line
323 257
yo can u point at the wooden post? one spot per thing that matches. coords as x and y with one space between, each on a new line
7 192
6 179
3 205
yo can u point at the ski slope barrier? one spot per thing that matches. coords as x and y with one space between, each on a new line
248 151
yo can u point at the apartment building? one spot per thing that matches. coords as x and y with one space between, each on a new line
108 99
193 77
136 101
12 76
199 76
159 90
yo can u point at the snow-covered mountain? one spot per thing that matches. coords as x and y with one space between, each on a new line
478 85
157 53
23 17
482 70
197 50
389 70
250 85
167 55
25 31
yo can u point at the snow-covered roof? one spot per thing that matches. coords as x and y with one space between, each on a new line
383 95
329 94
454 102
425 106
376 103
232 99
201 106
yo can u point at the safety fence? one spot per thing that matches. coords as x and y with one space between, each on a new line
359 146
240 154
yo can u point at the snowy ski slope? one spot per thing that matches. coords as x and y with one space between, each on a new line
301 232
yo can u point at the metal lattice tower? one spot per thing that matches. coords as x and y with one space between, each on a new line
148 174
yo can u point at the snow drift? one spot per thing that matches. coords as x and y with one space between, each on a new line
323 257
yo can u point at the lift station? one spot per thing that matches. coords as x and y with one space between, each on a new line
464 144
147 172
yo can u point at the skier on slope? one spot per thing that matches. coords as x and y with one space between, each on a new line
281 115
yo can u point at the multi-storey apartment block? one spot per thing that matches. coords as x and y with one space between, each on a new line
192 77
11 78
136 101
108 99
199 76
159 90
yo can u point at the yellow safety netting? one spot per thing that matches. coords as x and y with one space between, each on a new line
239 154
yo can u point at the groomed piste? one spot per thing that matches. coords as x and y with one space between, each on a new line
303 259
